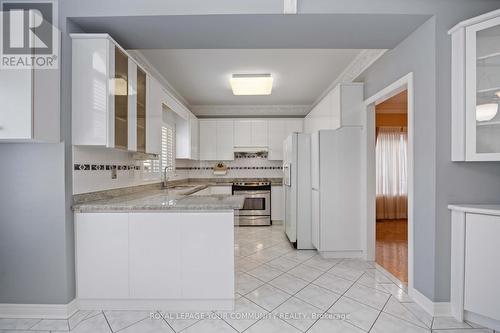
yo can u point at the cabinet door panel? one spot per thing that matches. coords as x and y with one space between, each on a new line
277 203
483 68
195 142
16 104
242 133
225 137
102 255
154 109
315 219
154 271
141 111
208 140
482 265
198 233
132 106
277 134
294 125
259 133
120 89
315 160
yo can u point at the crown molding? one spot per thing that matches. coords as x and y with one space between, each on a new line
362 61
206 111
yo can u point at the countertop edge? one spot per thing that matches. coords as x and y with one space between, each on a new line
491 209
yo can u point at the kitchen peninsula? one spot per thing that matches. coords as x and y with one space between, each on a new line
156 249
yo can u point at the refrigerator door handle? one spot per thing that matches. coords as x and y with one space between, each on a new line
287 168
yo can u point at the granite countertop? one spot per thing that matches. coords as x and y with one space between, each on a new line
491 209
158 199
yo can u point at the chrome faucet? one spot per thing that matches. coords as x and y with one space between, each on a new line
165 177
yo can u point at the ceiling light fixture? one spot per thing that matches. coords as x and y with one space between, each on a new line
251 84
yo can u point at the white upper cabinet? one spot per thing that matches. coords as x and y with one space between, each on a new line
242 133
187 138
259 133
208 140
155 100
476 76
225 135
277 134
278 130
342 106
216 140
250 133
195 141
115 103
29 102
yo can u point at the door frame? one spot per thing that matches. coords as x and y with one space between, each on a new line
368 158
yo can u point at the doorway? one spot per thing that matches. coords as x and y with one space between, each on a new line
389 179
391 202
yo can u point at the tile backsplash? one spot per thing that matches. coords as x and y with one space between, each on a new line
92 168
247 167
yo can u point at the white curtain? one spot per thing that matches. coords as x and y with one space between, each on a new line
391 163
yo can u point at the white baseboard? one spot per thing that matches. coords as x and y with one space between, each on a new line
151 304
341 254
482 320
44 311
64 311
435 309
391 277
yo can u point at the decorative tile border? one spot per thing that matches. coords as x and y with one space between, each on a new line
103 167
234 168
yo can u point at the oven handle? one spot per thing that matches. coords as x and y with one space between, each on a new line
251 192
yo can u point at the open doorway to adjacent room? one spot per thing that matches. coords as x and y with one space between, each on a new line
391 167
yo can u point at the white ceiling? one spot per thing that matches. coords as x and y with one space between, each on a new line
201 76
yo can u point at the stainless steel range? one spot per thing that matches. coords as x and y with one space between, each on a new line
257 207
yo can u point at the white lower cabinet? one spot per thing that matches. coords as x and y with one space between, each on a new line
475 264
207 263
102 264
482 265
154 272
168 256
277 204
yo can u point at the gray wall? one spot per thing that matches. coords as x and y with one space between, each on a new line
438 181
33 237
416 54
37 246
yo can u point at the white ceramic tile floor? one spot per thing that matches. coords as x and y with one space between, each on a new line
278 289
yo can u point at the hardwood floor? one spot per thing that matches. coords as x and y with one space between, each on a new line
392 247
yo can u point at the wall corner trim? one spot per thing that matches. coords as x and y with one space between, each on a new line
435 309
43 311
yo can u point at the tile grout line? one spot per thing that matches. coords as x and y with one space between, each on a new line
342 295
104 315
378 316
166 322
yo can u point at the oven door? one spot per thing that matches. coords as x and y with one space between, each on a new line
257 203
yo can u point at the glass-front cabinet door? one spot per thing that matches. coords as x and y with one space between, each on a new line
141 110
121 99
482 85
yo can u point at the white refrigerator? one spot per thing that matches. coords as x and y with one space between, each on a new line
297 189
336 192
